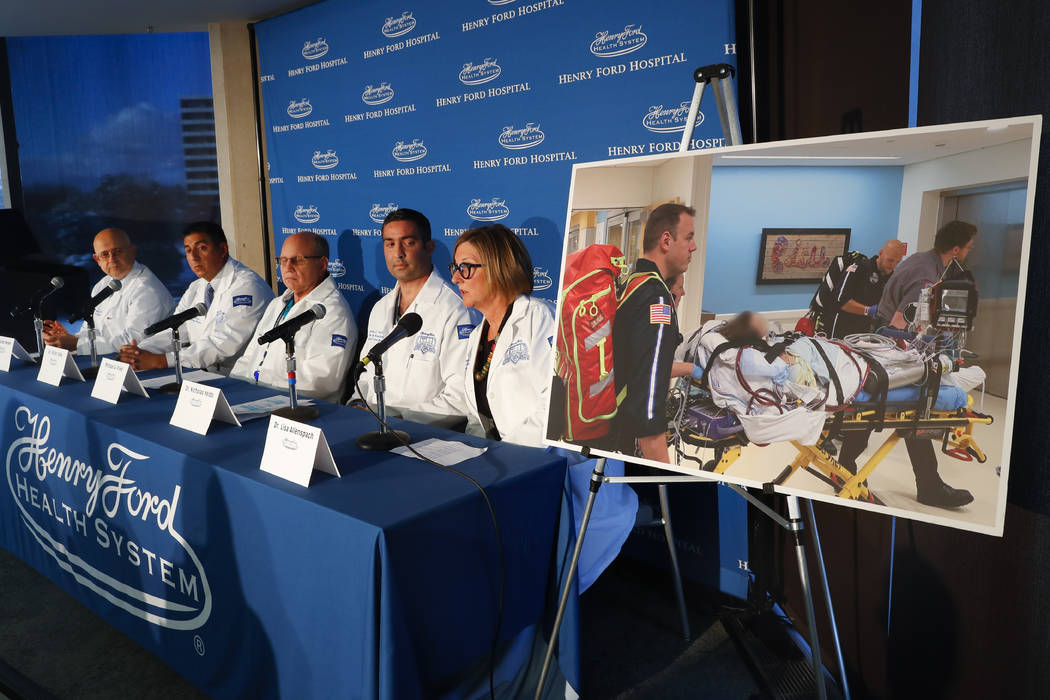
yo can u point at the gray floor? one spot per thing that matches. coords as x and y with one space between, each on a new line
51 646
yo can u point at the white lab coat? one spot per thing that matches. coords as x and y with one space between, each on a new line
423 372
214 341
520 375
323 348
141 300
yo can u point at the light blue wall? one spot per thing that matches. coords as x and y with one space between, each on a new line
746 199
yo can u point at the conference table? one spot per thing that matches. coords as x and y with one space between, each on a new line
380 583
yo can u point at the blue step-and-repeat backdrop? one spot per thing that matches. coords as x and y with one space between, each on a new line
471 111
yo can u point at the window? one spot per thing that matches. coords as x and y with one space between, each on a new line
115 131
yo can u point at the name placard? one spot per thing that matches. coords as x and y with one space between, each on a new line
198 405
55 364
114 377
293 450
9 347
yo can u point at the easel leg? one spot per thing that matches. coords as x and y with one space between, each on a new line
665 512
818 550
795 517
566 590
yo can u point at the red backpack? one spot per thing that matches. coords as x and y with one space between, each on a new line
596 281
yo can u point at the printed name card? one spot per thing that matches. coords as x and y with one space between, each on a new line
198 405
293 450
9 347
114 377
55 364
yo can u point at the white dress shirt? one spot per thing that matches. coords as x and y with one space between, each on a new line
141 300
214 341
323 348
423 372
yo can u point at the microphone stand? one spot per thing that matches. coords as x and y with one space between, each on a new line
383 439
175 386
92 371
38 326
293 411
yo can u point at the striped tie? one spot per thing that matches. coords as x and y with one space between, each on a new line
209 295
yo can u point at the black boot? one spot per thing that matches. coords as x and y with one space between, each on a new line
940 495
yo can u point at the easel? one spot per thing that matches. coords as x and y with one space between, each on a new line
720 77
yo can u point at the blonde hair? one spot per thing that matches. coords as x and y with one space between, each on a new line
508 266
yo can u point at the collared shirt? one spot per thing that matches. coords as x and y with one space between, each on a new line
422 372
859 281
141 300
907 281
215 341
323 348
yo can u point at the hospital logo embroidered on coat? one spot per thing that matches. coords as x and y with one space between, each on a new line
338 340
465 330
517 352
242 300
660 313
426 343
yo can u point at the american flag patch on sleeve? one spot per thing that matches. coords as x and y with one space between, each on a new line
660 313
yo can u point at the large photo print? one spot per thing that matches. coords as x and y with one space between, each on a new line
834 318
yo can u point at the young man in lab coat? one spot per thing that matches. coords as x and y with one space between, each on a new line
423 372
323 347
234 295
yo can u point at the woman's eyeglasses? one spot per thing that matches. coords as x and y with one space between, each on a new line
465 269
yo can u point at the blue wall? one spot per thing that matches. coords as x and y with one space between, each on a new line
744 200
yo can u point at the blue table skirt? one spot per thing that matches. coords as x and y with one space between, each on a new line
381 584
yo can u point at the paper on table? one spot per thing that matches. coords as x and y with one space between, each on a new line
445 452
197 375
261 408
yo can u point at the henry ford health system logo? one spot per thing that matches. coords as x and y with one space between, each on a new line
313 50
378 211
336 268
306 215
324 161
297 109
397 26
526 137
407 152
377 95
541 279
494 210
608 44
478 73
665 119
79 515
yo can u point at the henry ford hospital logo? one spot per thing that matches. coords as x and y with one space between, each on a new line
377 95
306 215
315 49
378 212
407 152
526 137
396 26
608 44
297 109
324 161
478 73
495 210
112 528
664 119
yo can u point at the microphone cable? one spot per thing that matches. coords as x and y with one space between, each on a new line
495 528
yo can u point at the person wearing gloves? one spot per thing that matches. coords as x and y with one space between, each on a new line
423 377
141 300
234 295
323 347
507 373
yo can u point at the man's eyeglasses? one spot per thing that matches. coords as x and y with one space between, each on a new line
465 269
296 260
111 254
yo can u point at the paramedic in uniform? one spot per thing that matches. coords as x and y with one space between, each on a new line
424 373
953 242
507 374
323 347
646 335
141 300
234 295
849 295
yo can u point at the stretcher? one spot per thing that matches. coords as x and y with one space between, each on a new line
699 423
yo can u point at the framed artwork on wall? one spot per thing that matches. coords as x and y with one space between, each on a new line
794 255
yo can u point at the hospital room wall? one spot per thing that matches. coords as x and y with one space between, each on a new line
746 199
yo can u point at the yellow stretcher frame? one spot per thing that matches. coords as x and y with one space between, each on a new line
958 442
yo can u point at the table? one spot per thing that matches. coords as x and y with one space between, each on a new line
379 584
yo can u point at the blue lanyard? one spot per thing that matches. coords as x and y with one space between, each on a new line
287 308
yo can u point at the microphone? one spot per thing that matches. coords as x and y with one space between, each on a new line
176 320
289 327
408 325
89 308
37 299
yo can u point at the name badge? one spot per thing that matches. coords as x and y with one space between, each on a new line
56 363
198 405
293 450
9 347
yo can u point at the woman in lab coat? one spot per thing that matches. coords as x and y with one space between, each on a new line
510 359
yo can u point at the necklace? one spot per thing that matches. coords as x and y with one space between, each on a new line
480 374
